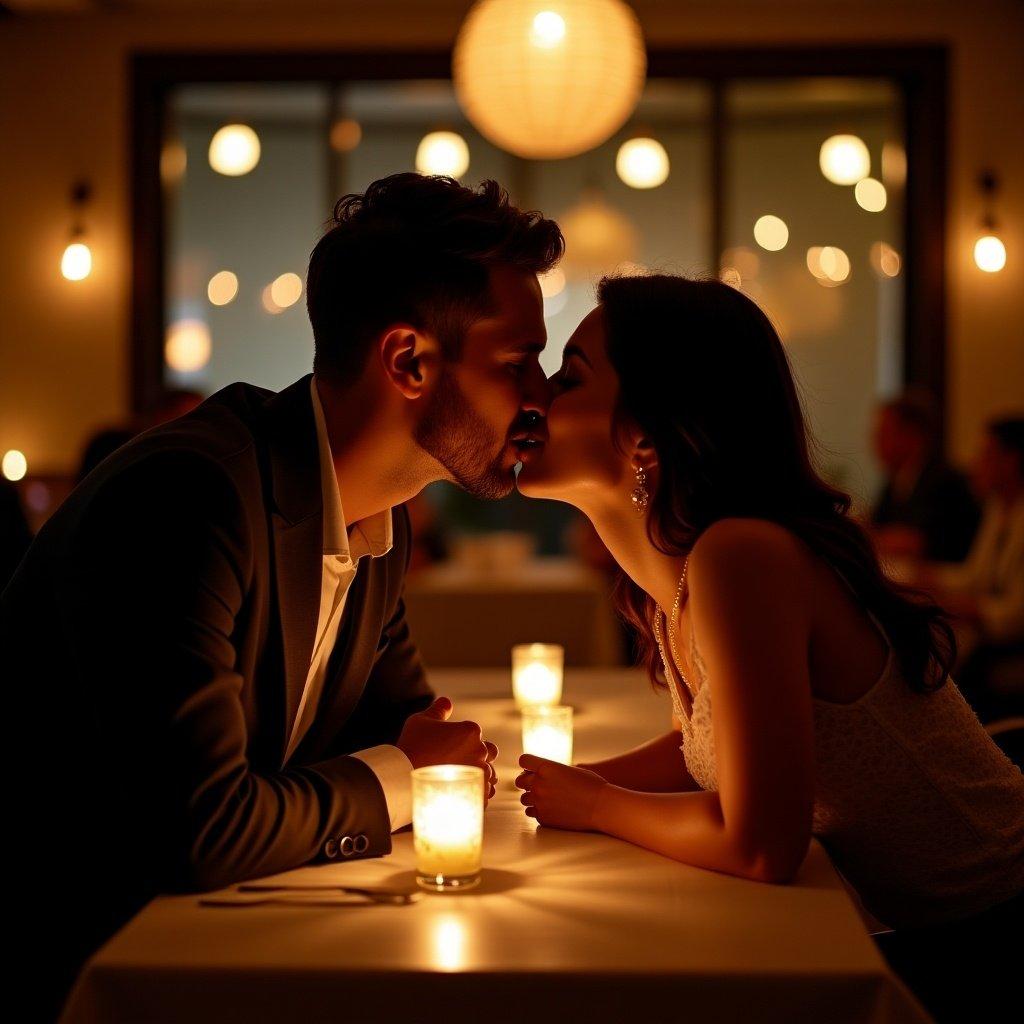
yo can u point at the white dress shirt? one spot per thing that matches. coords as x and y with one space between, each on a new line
343 550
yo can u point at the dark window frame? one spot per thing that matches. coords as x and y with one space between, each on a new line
920 72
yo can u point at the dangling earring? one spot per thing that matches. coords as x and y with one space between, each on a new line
640 496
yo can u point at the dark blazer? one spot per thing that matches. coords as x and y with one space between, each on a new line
156 641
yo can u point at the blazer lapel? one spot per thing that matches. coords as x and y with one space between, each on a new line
298 530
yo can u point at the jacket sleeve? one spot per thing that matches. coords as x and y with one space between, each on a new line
162 567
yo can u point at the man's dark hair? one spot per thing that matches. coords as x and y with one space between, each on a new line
415 249
1009 434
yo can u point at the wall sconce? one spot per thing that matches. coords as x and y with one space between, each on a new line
76 263
989 251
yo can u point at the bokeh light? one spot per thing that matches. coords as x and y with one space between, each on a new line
442 153
844 159
187 346
642 163
234 150
990 254
76 263
885 260
15 465
870 195
771 232
222 287
286 290
346 134
829 264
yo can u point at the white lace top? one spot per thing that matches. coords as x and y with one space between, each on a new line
918 809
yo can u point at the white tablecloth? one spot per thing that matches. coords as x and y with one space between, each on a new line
564 926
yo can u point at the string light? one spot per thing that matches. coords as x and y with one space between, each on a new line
989 250
76 261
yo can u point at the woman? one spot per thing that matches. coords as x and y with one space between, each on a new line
810 693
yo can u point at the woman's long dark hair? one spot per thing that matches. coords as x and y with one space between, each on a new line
703 374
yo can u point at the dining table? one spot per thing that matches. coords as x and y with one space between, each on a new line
563 926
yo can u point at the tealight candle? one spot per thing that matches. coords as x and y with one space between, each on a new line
537 674
448 824
547 732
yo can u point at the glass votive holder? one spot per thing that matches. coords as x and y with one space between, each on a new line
448 826
547 732
537 674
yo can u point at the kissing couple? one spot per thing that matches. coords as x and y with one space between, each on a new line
211 653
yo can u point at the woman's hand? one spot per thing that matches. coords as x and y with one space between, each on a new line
558 795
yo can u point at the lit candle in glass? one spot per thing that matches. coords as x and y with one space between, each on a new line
537 674
547 732
448 825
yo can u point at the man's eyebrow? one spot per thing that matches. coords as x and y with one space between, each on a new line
529 347
574 350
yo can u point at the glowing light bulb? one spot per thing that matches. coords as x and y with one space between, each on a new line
76 263
286 290
844 159
14 465
771 232
547 30
442 153
870 195
187 346
222 288
234 150
990 254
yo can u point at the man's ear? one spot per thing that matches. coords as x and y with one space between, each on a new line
410 359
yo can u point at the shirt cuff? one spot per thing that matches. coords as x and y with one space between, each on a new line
394 772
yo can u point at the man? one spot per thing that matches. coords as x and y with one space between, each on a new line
986 592
926 510
215 678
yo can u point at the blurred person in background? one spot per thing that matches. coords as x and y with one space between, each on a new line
170 405
986 592
926 509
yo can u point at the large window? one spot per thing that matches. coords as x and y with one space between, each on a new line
852 287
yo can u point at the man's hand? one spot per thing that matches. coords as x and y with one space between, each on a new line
429 738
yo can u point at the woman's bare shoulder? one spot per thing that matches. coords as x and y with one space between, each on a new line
751 543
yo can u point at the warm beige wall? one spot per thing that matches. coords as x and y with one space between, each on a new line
63 113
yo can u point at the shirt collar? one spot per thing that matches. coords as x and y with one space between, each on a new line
371 536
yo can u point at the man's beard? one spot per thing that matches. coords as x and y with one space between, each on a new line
455 434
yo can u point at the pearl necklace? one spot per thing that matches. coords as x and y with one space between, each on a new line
671 626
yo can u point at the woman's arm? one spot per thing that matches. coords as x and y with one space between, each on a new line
654 767
750 601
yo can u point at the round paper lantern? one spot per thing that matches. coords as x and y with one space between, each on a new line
597 237
546 79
